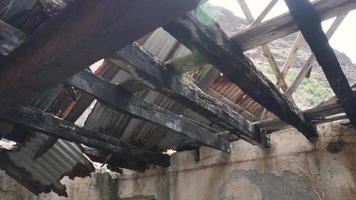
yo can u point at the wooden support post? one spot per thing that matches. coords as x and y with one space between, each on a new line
86 31
211 43
310 25
145 68
123 101
53 126
284 25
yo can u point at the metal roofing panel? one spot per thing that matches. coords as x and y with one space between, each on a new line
49 168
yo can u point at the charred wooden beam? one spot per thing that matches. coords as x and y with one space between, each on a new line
54 126
83 33
309 23
163 79
212 43
284 25
121 100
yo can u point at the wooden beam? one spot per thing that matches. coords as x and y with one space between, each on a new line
264 13
327 111
310 25
265 49
308 65
54 126
146 69
123 101
211 43
86 31
284 25
292 54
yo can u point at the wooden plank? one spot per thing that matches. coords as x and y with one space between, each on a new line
284 25
266 52
292 54
86 31
123 101
211 43
310 25
308 65
53 126
264 13
145 68
327 111
265 49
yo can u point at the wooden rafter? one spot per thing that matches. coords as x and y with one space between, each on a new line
145 68
123 101
211 43
53 126
83 33
265 48
292 55
327 111
264 13
308 65
284 25
310 25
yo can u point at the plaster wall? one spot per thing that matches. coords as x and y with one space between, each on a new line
292 169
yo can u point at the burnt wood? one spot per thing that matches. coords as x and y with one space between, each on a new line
86 31
309 23
162 78
51 125
213 44
121 100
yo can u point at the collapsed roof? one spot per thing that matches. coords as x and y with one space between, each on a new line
181 86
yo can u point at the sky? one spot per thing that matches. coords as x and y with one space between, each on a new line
343 40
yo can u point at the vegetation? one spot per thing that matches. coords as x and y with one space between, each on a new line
310 93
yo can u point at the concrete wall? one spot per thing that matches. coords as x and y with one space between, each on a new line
292 169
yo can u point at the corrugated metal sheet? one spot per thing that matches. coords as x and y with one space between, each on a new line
136 131
148 135
49 168
232 92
